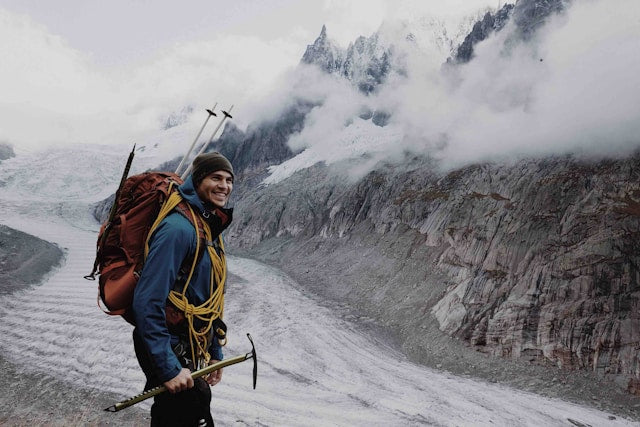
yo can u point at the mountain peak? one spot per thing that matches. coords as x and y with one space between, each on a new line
366 62
527 15
323 53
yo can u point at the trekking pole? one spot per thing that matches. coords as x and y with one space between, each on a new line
211 113
204 147
197 374
112 213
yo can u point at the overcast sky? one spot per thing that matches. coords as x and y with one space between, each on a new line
76 71
119 31
89 71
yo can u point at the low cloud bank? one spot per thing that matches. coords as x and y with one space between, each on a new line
572 88
55 95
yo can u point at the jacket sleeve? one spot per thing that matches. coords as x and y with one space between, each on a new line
168 246
215 350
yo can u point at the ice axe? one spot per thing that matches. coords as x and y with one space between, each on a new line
197 374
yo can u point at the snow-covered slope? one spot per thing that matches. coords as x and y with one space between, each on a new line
369 62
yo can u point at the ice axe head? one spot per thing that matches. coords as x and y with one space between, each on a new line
255 361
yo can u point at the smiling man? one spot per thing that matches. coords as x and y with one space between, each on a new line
178 300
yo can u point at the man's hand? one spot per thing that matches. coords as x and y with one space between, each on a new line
180 382
214 377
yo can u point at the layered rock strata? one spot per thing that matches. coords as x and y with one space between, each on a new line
535 260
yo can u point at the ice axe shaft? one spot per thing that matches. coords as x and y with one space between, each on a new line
197 374
186 156
226 115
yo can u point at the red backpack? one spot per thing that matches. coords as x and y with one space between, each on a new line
121 242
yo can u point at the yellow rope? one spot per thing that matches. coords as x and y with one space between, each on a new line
213 307
172 201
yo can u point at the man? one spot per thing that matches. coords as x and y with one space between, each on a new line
168 348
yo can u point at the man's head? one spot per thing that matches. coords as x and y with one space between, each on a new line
213 178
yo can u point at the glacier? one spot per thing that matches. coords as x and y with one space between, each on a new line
316 365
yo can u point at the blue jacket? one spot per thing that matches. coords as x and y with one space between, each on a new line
173 240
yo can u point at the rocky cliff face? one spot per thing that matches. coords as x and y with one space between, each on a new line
6 151
481 30
529 15
366 62
262 145
526 16
177 117
535 260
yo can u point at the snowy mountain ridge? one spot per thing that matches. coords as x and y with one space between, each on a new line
369 61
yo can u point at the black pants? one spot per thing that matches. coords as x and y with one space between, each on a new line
186 408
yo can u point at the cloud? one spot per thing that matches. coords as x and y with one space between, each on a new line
53 94
572 88
41 80
348 20
582 96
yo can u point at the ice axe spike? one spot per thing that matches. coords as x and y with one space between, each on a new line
197 374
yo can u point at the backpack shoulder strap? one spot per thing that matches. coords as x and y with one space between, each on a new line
168 205
192 259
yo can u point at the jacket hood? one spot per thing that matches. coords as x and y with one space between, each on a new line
188 192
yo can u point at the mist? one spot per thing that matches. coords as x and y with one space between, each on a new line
55 95
572 88
70 76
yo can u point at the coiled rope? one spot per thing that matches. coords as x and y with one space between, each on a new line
212 308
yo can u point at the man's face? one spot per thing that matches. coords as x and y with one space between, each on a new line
216 188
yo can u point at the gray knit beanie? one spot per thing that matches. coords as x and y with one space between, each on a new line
208 163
